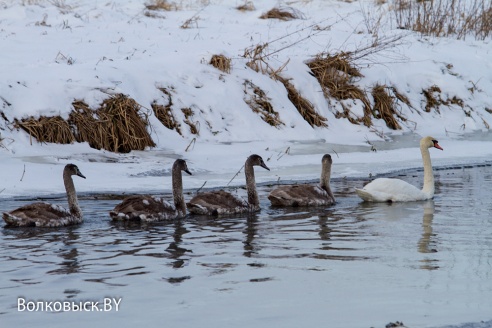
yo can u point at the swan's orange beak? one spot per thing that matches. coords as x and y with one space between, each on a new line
436 145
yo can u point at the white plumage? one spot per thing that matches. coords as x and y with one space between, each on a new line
396 190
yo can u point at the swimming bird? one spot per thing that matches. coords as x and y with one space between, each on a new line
306 194
149 208
222 203
43 214
396 190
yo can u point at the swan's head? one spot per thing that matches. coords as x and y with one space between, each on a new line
256 160
72 169
430 142
181 165
326 159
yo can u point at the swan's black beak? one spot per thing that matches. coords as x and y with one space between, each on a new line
80 174
187 171
263 165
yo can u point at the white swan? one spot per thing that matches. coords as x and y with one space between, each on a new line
48 215
306 194
222 203
396 190
149 208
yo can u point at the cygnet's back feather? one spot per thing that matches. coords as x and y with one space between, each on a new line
305 194
145 208
149 208
300 195
217 203
43 214
223 203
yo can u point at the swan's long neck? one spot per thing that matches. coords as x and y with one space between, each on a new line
179 201
325 180
73 204
428 174
251 184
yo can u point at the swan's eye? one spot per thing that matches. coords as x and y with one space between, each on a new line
435 141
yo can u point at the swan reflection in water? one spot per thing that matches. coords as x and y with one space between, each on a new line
427 242
406 220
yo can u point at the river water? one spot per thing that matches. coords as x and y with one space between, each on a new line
426 264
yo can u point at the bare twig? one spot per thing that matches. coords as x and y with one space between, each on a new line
198 190
23 172
287 151
235 175
193 141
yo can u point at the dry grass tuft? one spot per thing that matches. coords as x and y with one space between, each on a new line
401 97
385 106
259 103
165 114
284 14
160 5
221 62
118 125
194 126
304 106
445 18
247 6
433 98
47 129
335 74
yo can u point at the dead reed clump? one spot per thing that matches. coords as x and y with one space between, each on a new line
283 14
445 18
433 98
47 129
304 106
336 74
165 114
194 126
246 6
401 97
160 5
221 62
385 107
117 125
259 103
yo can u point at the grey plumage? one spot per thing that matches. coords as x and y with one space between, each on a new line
149 208
223 203
43 214
306 194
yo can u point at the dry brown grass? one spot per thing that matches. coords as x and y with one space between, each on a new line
284 14
335 74
246 6
434 100
259 103
221 62
117 125
47 129
160 5
401 97
304 106
445 18
194 126
257 58
165 114
385 106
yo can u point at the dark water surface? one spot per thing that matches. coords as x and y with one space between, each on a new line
427 264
